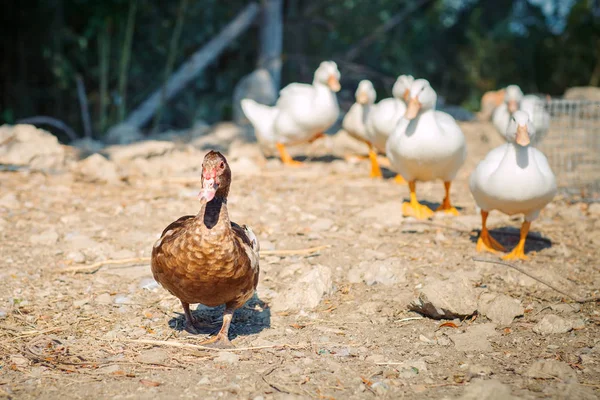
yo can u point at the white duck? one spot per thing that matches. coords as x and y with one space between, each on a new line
515 100
514 178
426 145
302 113
355 120
384 116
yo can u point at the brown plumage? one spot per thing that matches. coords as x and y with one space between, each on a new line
206 258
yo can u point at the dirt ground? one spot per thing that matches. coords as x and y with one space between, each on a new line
112 333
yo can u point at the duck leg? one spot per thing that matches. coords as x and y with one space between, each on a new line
399 179
414 208
446 206
285 156
486 242
375 169
221 339
190 321
518 252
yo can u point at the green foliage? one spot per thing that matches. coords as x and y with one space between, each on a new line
464 47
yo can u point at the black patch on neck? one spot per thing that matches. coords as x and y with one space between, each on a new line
212 211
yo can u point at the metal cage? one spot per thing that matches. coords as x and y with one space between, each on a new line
569 135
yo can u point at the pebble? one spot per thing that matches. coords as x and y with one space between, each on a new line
453 298
148 283
3 314
121 299
500 309
76 256
227 357
321 225
153 356
46 238
552 324
380 388
103 298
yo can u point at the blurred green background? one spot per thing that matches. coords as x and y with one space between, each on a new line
122 50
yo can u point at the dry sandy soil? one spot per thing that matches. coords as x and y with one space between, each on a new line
111 332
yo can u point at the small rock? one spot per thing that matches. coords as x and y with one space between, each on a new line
552 324
204 381
487 390
96 168
19 360
9 200
47 238
578 324
76 256
385 272
145 149
411 368
550 369
321 225
3 313
227 357
475 338
500 309
153 356
381 388
454 298
121 299
478 371
109 369
307 291
148 283
27 145
103 298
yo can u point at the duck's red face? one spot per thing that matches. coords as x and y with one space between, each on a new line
216 176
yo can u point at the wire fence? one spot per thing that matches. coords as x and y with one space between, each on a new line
568 133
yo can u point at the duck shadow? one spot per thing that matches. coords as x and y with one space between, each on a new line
327 158
252 318
433 206
508 236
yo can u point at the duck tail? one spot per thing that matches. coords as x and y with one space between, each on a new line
262 118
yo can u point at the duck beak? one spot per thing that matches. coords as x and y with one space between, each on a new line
209 189
333 83
406 96
362 98
414 105
522 135
512 106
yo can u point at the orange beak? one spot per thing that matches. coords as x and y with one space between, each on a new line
333 83
413 109
512 106
362 98
406 95
522 135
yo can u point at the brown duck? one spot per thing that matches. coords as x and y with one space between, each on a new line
206 258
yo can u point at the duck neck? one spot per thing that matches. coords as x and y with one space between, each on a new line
324 96
213 214
519 154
